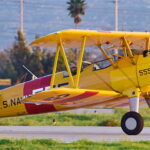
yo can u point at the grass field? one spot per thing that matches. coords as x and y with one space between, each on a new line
73 119
46 144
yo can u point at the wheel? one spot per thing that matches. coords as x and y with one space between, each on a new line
132 123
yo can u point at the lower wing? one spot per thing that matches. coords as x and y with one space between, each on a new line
78 97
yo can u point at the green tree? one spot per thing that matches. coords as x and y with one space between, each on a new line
60 64
76 8
36 61
6 68
47 62
36 57
71 55
9 72
3 61
20 55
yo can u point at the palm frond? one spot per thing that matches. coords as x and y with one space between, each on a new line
76 7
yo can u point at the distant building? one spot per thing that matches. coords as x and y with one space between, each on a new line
4 83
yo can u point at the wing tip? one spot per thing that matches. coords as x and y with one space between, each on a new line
39 40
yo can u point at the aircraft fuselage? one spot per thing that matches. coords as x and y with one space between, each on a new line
125 76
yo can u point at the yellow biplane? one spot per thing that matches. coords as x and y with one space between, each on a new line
125 81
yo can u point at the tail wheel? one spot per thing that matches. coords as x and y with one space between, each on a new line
132 123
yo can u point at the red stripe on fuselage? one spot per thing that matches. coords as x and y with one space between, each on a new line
36 84
36 109
28 90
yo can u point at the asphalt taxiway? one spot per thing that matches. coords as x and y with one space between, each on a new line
71 133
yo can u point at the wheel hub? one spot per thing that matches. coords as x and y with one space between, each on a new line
131 123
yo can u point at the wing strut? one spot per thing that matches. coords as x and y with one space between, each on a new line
66 63
125 51
106 55
61 48
55 66
80 62
147 44
129 50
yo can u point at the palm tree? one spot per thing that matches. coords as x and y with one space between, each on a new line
76 8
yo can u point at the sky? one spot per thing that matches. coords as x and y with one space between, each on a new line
46 16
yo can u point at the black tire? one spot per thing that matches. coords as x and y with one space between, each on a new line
132 123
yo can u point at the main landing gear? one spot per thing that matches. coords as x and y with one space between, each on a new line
132 122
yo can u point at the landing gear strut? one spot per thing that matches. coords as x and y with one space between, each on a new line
132 122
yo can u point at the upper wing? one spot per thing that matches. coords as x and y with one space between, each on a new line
73 39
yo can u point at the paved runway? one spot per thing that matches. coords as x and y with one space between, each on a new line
71 133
